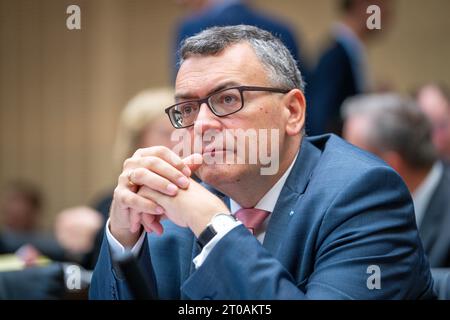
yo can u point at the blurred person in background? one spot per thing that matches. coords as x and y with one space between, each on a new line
342 69
21 207
27 276
20 213
76 230
434 100
209 13
395 129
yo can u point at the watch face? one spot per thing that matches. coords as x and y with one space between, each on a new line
222 221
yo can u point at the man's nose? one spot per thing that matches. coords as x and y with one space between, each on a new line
206 119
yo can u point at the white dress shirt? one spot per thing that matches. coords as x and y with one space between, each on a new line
422 195
267 203
117 248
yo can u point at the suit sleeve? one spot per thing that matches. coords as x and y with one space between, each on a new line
369 223
108 284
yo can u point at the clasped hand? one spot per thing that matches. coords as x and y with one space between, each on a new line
155 183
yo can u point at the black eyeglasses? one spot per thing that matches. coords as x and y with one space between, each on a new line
222 103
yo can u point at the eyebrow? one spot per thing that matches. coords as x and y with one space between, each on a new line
187 96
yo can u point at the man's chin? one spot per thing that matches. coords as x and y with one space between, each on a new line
216 174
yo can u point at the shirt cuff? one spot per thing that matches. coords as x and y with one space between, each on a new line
117 248
201 257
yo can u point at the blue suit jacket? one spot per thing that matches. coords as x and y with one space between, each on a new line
340 211
331 82
239 13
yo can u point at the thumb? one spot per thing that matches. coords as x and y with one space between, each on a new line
194 161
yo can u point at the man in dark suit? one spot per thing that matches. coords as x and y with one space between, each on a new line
395 129
331 222
342 69
210 13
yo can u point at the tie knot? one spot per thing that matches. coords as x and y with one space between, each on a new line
252 218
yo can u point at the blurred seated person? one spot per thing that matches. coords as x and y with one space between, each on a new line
20 212
28 275
76 229
396 130
342 70
21 205
434 100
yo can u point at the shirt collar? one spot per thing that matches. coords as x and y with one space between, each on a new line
269 200
422 195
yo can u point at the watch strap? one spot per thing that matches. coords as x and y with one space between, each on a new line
210 231
206 236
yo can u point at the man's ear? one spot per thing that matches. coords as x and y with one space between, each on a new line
295 104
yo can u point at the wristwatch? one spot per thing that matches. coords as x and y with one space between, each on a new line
218 223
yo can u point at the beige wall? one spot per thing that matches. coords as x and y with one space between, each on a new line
61 91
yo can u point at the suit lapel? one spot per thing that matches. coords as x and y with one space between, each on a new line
292 191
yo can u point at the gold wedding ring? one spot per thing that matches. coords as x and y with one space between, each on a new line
130 183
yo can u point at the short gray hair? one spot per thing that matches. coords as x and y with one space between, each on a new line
273 54
396 124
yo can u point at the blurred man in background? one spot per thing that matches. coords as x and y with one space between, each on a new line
342 69
25 273
21 206
20 214
76 229
395 129
434 100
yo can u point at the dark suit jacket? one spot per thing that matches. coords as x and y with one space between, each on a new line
435 227
331 82
239 13
340 211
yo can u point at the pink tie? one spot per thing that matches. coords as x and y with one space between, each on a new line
252 218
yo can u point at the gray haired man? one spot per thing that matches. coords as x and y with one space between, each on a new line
321 227
395 129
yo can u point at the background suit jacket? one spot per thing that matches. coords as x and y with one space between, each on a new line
340 212
435 227
332 81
